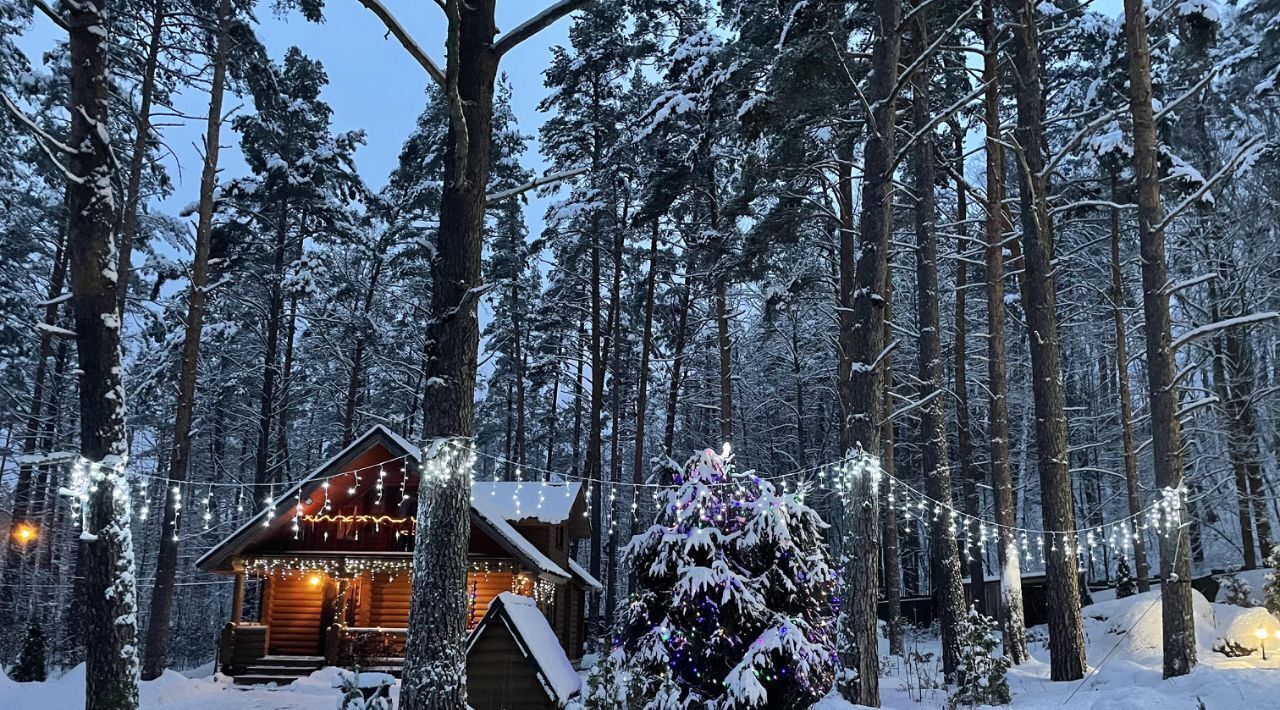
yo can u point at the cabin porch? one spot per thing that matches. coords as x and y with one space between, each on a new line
315 610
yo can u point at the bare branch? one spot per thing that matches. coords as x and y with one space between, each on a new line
414 49
52 14
536 24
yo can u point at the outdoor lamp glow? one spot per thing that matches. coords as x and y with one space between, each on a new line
1261 633
24 533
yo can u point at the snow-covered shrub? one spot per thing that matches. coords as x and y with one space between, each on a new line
30 665
980 679
609 686
364 691
1236 591
1126 585
733 600
1271 590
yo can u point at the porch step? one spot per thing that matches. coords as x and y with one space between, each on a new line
291 671
264 679
292 661
281 670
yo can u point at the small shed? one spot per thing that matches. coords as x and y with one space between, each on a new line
516 662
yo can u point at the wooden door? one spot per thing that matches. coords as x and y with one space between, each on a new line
296 606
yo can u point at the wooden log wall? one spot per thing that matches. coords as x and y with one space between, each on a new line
294 606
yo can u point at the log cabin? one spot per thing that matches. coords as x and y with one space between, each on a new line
330 562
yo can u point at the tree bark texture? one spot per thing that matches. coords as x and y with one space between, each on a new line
1166 436
862 275
1066 631
944 558
107 564
435 651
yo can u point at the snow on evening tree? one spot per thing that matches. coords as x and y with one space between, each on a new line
1126 585
980 678
30 665
1271 590
733 597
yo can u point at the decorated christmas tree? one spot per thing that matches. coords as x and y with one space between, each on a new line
1126 585
733 600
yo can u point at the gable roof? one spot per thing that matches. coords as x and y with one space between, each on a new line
261 525
537 642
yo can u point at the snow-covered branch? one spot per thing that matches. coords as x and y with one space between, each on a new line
52 14
536 24
534 184
407 41
1204 330
1246 153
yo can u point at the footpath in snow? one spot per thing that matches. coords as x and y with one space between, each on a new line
1123 653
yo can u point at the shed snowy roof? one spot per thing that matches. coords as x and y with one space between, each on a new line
535 500
581 572
538 641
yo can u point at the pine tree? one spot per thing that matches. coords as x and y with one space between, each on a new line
980 678
30 666
1237 591
1126 585
734 596
1271 590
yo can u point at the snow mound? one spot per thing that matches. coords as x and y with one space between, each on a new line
1238 626
1139 619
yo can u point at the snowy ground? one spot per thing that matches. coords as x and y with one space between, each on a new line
1123 652
176 691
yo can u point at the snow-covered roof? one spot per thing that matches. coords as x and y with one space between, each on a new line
489 516
581 572
537 640
513 536
537 500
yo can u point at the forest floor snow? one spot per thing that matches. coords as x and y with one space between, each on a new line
1123 652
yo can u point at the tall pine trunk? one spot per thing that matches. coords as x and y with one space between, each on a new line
141 140
1066 629
862 277
970 475
107 565
642 387
435 650
677 367
1166 437
1013 628
157 648
944 559
892 560
1141 567
264 472
357 359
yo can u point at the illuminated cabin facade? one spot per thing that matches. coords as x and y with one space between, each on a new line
332 563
